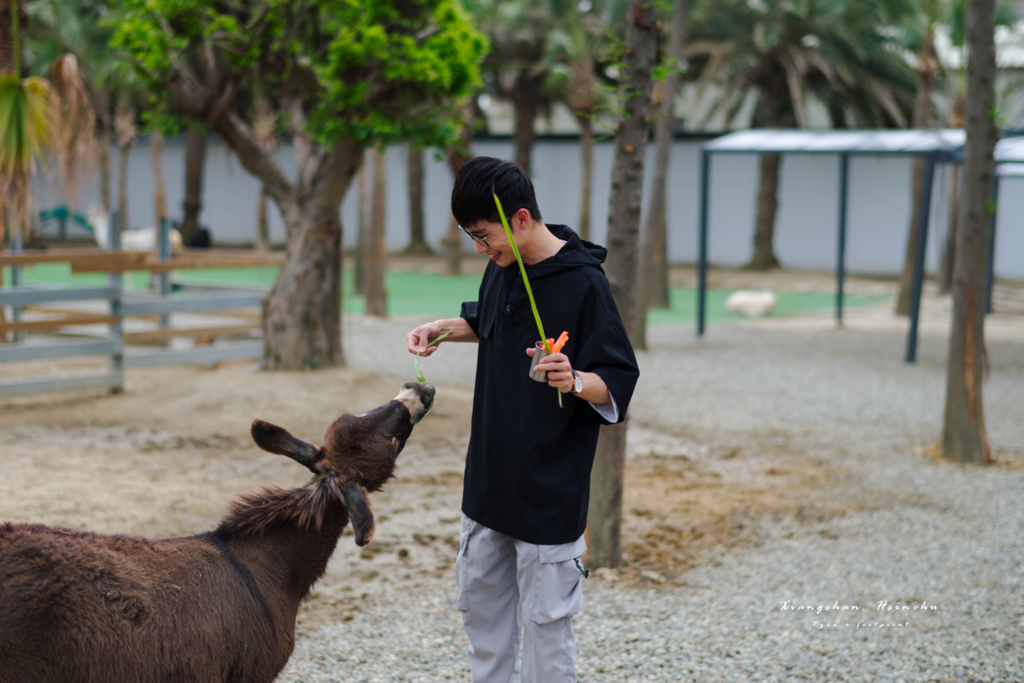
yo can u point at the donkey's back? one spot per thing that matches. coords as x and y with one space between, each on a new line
83 607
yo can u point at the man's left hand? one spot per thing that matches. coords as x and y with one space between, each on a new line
558 368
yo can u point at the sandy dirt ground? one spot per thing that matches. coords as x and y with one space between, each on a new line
167 456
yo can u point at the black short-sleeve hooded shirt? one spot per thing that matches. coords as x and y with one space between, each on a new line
529 461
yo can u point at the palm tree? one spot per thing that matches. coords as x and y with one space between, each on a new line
964 436
375 252
81 28
264 127
578 44
195 162
640 58
920 34
787 51
126 132
519 31
36 114
458 154
652 290
363 224
922 28
417 243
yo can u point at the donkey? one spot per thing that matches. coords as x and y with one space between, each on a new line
220 607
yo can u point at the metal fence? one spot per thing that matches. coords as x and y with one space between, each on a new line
17 296
163 304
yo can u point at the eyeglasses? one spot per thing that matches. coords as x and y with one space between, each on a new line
483 240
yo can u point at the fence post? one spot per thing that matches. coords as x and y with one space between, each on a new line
117 328
165 275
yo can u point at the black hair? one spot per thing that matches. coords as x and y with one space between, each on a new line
472 198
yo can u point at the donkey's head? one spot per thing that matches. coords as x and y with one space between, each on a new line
358 452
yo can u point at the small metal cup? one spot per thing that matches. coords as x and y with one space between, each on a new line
539 354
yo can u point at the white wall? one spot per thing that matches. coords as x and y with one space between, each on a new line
879 202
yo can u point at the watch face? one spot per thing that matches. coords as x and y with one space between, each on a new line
578 384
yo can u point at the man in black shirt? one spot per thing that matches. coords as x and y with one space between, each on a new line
527 480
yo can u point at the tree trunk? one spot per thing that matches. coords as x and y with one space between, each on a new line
262 226
156 153
195 159
364 222
653 289
909 256
525 102
417 243
964 437
122 186
457 156
927 71
104 154
376 246
657 221
949 247
7 43
605 511
302 312
587 150
767 208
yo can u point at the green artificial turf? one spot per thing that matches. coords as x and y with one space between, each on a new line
437 295
684 305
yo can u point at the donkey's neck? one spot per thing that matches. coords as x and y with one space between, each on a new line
287 537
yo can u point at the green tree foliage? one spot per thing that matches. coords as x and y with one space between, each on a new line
37 114
380 71
843 53
838 51
346 75
580 44
543 52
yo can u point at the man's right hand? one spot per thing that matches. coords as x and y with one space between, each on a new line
420 338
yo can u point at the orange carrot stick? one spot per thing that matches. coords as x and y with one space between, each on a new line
562 339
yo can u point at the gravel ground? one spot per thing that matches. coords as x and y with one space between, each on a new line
941 540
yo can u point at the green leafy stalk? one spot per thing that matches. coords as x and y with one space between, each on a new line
522 269
526 282
416 364
416 360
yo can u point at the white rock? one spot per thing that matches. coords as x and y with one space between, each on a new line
752 304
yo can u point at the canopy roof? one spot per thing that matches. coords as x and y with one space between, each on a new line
1010 150
948 141
840 141
1010 170
940 146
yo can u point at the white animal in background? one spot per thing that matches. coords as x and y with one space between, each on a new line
139 239
750 303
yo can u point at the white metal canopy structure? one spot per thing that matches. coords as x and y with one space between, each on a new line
935 145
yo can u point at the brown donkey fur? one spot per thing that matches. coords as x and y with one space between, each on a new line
220 607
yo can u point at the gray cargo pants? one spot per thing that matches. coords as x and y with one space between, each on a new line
508 587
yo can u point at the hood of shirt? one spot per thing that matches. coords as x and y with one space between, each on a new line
577 253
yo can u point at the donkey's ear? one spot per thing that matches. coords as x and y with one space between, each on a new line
358 511
274 439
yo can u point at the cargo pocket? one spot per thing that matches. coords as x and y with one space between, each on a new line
462 565
559 588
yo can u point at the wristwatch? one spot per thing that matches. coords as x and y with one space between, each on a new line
577 384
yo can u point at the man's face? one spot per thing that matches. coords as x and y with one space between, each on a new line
490 239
